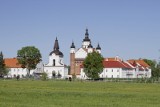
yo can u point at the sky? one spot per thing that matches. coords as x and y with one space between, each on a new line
129 29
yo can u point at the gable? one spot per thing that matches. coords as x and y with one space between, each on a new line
81 53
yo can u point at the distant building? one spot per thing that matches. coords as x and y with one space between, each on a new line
117 68
15 68
77 56
56 66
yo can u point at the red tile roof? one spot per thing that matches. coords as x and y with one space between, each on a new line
12 63
115 64
140 61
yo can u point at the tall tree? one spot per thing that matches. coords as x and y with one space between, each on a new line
3 70
29 57
93 65
154 67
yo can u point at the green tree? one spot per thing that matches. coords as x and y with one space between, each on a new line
2 65
154 67
93 65
29 57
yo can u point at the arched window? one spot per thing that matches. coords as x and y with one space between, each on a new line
53 62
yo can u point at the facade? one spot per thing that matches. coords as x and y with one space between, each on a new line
15 68
117 68
56 66
77 56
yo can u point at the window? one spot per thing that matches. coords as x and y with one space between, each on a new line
112 70
106 70
112 76
117 76
117 70
53 62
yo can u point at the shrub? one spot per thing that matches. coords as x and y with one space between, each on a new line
44 76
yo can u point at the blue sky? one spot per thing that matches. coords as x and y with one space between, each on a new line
127 28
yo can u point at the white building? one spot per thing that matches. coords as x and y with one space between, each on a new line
56 66
15 68
116 68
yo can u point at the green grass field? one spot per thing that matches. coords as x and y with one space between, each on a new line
77 94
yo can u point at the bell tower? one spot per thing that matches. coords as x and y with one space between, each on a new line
86 40
72 59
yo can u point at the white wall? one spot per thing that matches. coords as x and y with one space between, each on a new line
120 73
85 44
58 60
61 70
81 53
18 71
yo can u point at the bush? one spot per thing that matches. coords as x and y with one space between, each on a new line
44 76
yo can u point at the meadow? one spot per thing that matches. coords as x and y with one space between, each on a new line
30 93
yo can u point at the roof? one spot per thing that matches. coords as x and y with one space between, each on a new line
116 64
86 36
12 63
72 46
98 47
140 62
56 49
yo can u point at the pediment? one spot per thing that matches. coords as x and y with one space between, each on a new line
81 53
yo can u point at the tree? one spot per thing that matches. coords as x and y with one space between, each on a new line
154 67
29 57
2 65
3 69
93 65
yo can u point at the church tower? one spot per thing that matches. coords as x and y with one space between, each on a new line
56 56
86 40
72 59
98 49
56 68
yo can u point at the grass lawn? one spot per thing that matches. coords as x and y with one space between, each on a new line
77 94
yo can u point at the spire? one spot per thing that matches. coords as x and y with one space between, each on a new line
72 46
56 45
98 47
56 49
86 36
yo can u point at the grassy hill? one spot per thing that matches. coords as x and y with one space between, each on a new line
77 94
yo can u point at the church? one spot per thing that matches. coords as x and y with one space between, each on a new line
77 56
56 67
113 67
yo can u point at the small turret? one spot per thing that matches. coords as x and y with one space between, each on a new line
90 48
72 48
98 48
